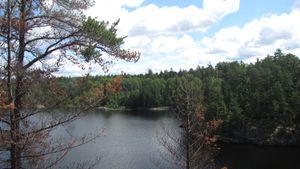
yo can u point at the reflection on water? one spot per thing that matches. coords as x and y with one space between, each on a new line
245 156
130 141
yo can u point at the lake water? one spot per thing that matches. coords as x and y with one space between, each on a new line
245 156
130 141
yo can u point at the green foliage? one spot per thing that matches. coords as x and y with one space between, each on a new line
187 95
115 100
89 53
99 31
266 93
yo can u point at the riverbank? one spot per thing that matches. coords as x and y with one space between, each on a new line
103 108
164 108
281 136
281 143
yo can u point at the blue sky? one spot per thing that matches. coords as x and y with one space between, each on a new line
182 34
253 9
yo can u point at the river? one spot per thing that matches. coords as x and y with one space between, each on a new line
130 141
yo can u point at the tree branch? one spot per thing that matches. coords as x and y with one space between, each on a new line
49 50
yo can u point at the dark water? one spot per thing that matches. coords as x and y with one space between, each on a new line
130 141
245 156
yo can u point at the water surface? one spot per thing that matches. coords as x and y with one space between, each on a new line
130 141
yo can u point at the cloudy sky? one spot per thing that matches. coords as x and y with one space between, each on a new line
182 34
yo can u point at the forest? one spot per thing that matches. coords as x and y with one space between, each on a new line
258 102
232 102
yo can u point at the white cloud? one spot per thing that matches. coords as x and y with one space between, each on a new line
70 69
152 19
162 34
159 33
297 4
257 38
220 8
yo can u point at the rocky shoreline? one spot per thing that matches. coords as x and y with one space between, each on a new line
281 136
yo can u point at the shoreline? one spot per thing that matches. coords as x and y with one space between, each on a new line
264 143
103 108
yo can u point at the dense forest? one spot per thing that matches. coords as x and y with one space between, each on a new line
257 101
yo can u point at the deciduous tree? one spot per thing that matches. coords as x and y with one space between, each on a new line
43 34
195 146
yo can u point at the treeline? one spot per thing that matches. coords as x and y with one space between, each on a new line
249 97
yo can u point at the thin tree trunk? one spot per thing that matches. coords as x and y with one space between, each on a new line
13 123
8 68
188 143
188 133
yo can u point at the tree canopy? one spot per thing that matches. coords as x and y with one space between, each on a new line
252 99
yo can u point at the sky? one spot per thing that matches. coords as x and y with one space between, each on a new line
184 34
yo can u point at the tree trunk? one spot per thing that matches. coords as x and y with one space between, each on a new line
15 149
15 126
14 123
188 143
